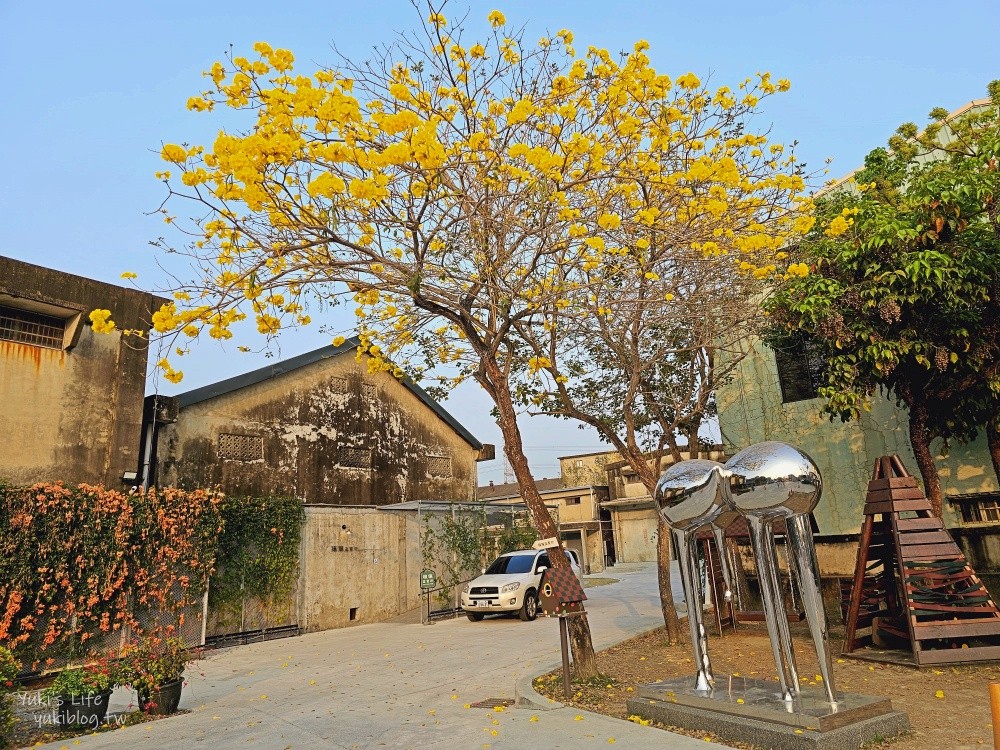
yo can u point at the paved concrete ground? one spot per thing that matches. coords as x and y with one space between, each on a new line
401 686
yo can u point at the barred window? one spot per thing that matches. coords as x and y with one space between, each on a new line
800 369
368 392
439 466
241 447
27 327
354 458
338 385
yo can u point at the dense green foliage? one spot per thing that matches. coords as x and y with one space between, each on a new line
258 551
903 292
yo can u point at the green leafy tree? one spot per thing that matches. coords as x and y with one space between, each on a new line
905 283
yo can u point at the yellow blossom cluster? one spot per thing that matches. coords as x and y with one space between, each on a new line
101 321
438 185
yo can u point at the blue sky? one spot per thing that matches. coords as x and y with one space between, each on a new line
94 89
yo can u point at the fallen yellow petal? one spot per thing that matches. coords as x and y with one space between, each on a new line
939 694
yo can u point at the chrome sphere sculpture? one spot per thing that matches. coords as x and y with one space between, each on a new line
763 483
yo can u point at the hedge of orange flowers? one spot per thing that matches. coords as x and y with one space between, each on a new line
79 561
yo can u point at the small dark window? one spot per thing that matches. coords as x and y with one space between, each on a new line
26 327
984 508
800 369
439 466
572 501
353 614
354 458
241 447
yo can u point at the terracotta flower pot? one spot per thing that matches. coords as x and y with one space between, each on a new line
164 699
88 711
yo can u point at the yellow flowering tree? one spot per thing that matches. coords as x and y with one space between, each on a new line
454 190
653 320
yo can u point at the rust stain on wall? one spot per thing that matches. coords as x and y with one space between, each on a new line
24 352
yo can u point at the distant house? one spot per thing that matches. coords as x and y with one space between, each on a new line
72 399
578 510
321 428
634 514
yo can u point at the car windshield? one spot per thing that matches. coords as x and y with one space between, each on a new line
511 564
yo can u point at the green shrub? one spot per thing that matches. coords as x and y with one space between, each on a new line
87 680
8 671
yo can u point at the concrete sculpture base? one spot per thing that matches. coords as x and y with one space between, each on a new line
752 711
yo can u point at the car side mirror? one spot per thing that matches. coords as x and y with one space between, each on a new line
484 571
541 569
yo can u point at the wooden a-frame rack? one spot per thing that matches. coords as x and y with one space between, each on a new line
912 581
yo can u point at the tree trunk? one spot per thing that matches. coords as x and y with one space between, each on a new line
993 438
670 620
584 661
694 447
921 442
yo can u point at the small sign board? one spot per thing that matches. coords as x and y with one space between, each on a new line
427 579
546 543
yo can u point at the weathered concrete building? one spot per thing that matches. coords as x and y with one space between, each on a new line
772 398
320 428
72 399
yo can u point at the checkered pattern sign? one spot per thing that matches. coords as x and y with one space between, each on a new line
560 592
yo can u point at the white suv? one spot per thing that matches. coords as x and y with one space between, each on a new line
510 584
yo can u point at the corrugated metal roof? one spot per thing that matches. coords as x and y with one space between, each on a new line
286 366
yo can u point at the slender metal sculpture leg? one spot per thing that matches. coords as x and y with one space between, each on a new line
802 556
700 583
720 545
760 537
689 580
779 609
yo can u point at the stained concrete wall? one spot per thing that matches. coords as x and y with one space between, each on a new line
358 559
635 534
75 413
750 411
309 419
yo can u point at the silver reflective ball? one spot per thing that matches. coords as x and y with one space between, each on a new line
690 493
776 477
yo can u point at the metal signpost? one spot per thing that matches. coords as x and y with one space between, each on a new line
428 580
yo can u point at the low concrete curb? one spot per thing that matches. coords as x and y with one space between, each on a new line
525 695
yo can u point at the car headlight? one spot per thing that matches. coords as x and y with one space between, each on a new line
508 587
468 588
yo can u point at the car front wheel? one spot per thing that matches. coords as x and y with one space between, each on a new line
474 616
529 609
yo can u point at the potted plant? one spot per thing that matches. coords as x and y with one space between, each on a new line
9 668
154 667
81 694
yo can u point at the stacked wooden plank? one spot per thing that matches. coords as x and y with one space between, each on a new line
912 581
